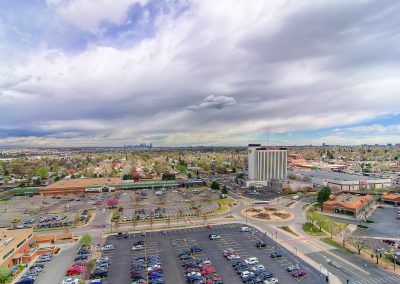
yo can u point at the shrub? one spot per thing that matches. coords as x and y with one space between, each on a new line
362 226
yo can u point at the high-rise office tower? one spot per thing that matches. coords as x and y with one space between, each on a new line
266 163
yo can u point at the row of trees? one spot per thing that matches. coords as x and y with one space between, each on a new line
336 229
215 185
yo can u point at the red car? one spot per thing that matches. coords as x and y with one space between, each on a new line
380 206
210 270
299 273
75 270
229 252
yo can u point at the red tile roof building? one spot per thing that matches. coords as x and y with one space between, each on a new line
347 203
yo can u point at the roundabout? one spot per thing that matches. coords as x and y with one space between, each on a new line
268 214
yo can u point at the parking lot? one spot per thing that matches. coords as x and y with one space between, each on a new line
148 203
169 244
58 211
385 223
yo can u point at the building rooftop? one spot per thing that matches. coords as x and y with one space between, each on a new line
392 196
333 175
8 237
84 182
351 201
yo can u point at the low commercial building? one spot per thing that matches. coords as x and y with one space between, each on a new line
149 185
190 182
14 245
392 198
348 203
341 181
81 186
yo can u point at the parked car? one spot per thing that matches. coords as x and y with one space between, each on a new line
299 273
276 254
121 235
70 281
261 245
75 270
25 281
99 273
272 280
233 257
292 268
245 229
81 257
138 247
196 249
251 260
107 248
214 237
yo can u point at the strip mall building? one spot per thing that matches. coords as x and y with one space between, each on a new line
97 185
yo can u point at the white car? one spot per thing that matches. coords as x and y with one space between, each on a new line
251 260
107 248
245 229
70 281
233 257
214 237
246 273
138 247
258 267
272 280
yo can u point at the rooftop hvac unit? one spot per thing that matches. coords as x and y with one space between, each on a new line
6 242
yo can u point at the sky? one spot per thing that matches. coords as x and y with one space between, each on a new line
178 73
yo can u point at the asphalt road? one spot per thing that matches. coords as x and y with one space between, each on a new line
55 270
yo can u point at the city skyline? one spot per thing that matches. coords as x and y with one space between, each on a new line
114 73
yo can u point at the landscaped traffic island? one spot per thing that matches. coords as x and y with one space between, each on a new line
268 213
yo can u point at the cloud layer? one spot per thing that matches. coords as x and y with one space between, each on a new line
199 72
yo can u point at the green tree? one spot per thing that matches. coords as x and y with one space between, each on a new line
42 172
85 240
323 194
181 168
90 265
167 176
224 190
189 175
215 185
4 274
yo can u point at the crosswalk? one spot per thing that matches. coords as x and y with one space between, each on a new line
388 279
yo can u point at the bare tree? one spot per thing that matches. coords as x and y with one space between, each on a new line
168 221
358 242
344 235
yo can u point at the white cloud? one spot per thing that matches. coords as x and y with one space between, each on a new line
88 15
214 102
271 64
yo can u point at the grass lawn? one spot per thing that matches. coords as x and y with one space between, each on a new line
312 230
223 204
336 245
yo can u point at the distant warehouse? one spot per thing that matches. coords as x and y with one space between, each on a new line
344 181
190 182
